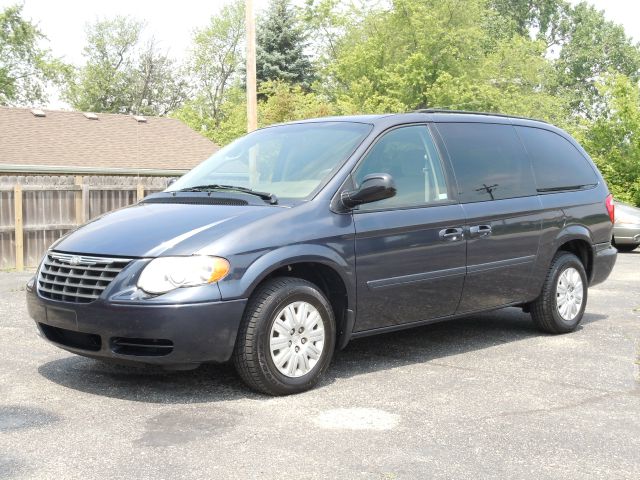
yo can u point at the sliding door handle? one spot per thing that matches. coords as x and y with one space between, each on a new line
480 231
452 234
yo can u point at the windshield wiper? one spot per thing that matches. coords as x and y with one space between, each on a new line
270 197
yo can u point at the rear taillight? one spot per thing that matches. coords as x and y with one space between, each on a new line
611 207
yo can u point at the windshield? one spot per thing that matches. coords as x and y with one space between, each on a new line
289 161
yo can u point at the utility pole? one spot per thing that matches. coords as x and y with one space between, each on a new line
252 93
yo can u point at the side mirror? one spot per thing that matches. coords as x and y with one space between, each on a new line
374 187
171 181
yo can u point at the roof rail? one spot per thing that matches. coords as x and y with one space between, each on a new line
469 112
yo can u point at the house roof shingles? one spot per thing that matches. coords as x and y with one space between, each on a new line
69 139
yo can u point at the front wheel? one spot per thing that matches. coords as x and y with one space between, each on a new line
560 306
287 337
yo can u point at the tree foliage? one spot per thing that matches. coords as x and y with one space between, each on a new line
280 49
544 19
213 67
122 75
592 47
432 53
613 140
279 102
26 68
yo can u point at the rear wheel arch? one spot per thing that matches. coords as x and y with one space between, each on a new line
582 249
576 239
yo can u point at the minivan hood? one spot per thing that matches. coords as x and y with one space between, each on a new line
156 229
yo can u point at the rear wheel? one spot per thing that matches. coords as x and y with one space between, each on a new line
287 337
560 306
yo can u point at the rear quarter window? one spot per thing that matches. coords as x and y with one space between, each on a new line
488 160
557 164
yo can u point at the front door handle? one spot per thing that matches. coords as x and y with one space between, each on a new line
451 234
480 231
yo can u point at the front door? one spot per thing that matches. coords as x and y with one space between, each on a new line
410 249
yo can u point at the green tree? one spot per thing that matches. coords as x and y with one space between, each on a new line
26 68
584 45
592 46
279 102
284 102
123 76
545 19
214 66
157 85
613 140
513 78
280 46
430 53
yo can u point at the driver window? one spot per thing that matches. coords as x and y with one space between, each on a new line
410 156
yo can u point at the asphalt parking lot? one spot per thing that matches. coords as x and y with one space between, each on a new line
483 397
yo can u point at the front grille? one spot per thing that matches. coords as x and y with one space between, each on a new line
77 278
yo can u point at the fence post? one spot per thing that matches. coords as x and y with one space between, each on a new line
19 235
79 202
86 206
140 194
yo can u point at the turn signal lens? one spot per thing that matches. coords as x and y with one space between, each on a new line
220 269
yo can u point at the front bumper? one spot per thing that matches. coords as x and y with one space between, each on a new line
604 258
164 334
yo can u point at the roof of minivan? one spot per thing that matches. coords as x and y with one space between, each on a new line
436 115
371 118
484 115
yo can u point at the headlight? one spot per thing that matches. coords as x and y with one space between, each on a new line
164 274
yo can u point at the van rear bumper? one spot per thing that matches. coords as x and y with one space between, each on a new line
604 258
171 335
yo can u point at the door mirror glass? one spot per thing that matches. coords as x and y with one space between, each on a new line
374 187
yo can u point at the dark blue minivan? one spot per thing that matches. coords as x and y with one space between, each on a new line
296 238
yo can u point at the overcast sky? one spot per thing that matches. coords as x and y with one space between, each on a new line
172 22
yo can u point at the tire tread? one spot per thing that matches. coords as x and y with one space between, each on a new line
249 366
543 306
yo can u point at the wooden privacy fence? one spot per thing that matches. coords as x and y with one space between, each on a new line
37 210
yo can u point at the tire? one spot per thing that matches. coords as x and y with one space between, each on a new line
547 310
626 247
279 304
